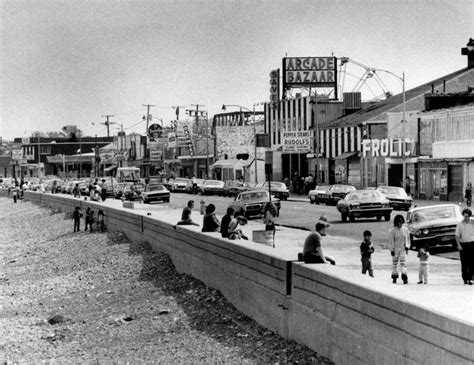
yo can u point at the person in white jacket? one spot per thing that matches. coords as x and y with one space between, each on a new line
399 241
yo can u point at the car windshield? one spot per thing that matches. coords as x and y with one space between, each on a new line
156 188
365 195
255 196
213 182
391 190
342 188
322 187
275 185
429 214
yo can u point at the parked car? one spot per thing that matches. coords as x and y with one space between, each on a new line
433 225
252 203
277 189
337 192
397 196
212 187
178 184
155 193
319 194
364 204
234 187
119 188
133 191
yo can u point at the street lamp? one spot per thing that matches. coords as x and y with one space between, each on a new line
224 106
402 79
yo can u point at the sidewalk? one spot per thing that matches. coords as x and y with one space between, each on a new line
445 293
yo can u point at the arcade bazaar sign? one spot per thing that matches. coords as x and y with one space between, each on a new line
387 148
309 72
299 141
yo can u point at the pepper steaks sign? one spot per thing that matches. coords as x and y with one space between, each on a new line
309 72
296 141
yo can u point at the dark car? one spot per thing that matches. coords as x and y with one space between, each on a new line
234 187
337 192
364 204
277 189
397 196
433 225
212 187
133 191
319 194
252 203
155 193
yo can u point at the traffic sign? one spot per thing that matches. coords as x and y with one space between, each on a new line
155 131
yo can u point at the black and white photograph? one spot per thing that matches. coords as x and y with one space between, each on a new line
237 181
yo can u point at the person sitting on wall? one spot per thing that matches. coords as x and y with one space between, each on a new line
312 251
186 216
235 233
226 221
210 223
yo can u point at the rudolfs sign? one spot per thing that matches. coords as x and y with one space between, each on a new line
387 148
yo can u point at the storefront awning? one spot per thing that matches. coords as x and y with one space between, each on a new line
345 155
110 168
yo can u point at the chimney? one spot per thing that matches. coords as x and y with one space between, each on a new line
469 52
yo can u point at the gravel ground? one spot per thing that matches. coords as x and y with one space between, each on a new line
99 298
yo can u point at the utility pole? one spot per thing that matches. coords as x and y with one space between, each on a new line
107 123
148 116
196 113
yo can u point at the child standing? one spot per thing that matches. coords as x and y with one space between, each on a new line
366 251
76 216
423 255
101 220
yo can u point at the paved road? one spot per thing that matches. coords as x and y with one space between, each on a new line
303 215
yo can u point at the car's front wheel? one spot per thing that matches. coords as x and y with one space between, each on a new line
387 216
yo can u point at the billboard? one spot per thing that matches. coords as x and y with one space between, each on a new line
274 86
171 140
309 72
299 141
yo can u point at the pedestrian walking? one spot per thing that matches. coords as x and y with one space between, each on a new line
76 217
366 251
210 223
270 213
101 220
465 244
399 239
468 194
89 219
423 256
16 192
103 190
76 192
226 221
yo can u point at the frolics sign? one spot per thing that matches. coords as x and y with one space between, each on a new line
310 71
387 148
296 141
274 86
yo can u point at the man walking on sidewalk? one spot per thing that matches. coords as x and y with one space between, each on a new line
465 245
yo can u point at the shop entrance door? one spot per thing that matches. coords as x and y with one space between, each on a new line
395 174
455 185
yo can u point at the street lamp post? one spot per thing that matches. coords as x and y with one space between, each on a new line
254 132
402 79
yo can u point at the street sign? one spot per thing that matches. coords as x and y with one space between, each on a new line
263 140
155 131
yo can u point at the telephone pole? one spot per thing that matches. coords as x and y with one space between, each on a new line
148 116
196 113
107 123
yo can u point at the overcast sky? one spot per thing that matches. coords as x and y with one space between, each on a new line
69 62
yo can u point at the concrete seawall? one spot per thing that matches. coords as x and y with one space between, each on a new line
350 320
